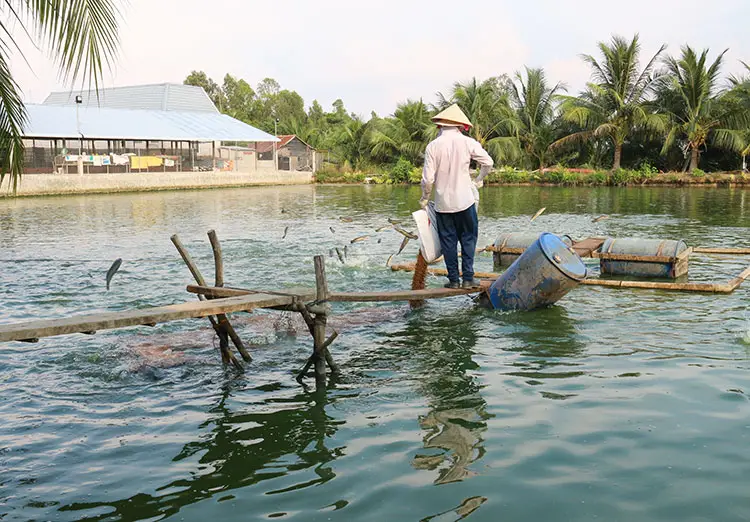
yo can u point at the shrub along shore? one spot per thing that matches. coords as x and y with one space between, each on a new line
552 176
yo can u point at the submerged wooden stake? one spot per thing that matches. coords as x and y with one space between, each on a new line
218 260
221 323
319 323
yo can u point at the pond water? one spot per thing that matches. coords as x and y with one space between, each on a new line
611 405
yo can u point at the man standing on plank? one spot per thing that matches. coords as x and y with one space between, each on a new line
446 168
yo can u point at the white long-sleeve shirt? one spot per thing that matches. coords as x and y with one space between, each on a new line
446 167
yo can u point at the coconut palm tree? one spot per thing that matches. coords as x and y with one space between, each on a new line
534 102
740 91
614 104
699 109
347 141
487 106
81 36
406 134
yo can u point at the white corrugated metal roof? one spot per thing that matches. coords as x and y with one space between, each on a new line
51 121
163 97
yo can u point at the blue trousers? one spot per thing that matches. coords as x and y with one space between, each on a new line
458 227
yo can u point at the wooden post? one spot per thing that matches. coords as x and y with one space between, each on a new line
319 323
218 261
221 322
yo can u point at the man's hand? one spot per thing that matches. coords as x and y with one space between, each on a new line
423 202
478 183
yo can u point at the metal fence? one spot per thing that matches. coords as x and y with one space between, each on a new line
49 156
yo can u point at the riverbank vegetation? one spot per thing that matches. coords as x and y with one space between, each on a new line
665 117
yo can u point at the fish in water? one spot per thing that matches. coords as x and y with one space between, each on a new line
283 211
394 221
383 229
332 230
113 270
538 213
346 219
380 240
341 256
405 233
285 233
600 218
359 239
346 252
388 263
403 245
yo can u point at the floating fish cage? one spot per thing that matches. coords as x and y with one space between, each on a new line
658 258
511 245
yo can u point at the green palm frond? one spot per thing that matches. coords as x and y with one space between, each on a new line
12 121
504 148
729 139
82 38
574 138
82 35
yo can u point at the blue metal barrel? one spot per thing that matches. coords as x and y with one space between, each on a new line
629 256
541 276
513 245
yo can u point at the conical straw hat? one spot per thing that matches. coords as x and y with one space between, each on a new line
452 116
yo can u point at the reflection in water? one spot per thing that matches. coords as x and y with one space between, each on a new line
466 508
550 345
241 449
454 425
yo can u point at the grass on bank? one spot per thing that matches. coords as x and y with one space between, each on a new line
405 173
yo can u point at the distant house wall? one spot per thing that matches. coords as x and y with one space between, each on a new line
58 184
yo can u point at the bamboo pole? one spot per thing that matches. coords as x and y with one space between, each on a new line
715 288
226 355
709 250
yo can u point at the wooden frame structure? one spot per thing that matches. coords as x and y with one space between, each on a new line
314 305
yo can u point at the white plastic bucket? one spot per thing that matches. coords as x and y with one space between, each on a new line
429 240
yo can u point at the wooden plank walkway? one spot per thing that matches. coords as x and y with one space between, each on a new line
32 330
345 297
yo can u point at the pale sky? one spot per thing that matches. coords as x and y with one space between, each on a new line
376 54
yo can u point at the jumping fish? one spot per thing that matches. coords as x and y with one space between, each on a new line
403 245
341 256
346 219
113 270
405 233
285 233
332 230
358 239
384 228
600 218
538 213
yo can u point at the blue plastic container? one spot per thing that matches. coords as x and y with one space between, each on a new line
511 245
541 276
